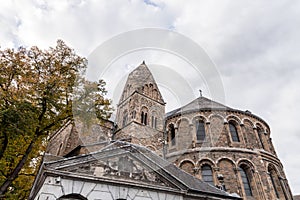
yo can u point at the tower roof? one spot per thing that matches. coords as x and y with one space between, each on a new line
141 80
140 76
200 103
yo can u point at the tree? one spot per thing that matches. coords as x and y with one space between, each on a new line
36 99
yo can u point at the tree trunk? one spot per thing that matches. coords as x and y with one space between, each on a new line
3 145
18 168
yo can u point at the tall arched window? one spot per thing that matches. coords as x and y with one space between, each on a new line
245 181
154 120
145 119
172 134
200 130
273 177
233 132
144 116
207 174
133 113
260 135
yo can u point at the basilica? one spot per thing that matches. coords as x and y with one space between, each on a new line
203 150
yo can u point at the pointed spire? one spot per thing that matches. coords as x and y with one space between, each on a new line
141 80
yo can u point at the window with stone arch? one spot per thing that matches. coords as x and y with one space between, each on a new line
260 133
207 174
275 181
144 116
200 130
154 120
172 136
133 114
187 166
245 173
233 132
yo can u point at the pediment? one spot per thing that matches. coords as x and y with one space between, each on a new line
117 163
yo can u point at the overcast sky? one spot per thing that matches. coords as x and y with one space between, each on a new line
254 44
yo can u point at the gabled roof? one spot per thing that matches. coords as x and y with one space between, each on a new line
148 167
201 103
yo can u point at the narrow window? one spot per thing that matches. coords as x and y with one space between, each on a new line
233 132
200 130
142 117
207 174
172 134
259 132
152 120
133 114
246 183
145 119
272 172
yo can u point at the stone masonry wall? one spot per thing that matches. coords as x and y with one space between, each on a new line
226 157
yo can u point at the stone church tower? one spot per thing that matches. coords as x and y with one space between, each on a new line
141 109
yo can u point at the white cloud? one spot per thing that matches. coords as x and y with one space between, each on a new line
255 45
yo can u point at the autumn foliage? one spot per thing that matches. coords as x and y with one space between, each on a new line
36 99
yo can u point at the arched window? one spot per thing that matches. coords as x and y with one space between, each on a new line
133 113
144 118
233 132
245 181
200 130
273 177
260 135
207 174
172 134
154 122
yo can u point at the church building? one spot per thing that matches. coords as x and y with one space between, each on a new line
203 150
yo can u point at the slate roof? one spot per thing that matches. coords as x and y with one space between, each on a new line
201 103
139 77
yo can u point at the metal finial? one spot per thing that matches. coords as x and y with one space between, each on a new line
200 93
143 62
